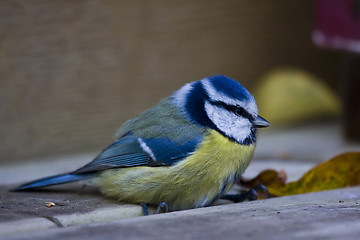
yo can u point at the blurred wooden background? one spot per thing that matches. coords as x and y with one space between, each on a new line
73 71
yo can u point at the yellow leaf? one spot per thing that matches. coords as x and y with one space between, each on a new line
339 172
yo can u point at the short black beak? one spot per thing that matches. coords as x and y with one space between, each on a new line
259 122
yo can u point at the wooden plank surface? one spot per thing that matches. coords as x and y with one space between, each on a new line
322 215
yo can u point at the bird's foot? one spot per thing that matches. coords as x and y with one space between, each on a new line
162 207
249 195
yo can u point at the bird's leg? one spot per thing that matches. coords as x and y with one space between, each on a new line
249 195
162 206
144 208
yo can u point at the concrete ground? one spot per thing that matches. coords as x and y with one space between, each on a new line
83 213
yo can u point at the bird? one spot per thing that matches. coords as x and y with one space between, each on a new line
187 151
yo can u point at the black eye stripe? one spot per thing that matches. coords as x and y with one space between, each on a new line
238 110
241 112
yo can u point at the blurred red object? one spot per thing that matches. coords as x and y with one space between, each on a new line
337 24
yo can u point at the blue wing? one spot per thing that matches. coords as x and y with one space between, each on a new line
160 136
128 151
131 151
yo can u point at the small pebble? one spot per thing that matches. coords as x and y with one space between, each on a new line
49 204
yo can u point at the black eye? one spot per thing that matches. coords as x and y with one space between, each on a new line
239 111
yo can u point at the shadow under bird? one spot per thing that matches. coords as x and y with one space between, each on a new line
186 151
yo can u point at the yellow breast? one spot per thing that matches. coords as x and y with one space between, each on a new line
193 182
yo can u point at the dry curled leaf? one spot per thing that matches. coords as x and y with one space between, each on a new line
338 172
267 177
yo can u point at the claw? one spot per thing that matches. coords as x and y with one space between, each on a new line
262 189
251 195
162 206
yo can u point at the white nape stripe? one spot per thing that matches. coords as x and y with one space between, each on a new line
249 105
180 96
146 149
233 126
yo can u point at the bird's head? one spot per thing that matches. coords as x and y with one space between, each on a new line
222 104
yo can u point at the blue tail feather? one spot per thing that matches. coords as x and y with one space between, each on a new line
54 180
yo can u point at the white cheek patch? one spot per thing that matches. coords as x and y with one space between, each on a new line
232 125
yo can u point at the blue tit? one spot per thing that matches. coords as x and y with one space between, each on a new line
186 151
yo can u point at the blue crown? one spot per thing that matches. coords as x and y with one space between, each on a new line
229 87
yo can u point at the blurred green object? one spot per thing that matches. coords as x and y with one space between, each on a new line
290 96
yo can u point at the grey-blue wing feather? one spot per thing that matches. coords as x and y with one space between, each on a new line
167 152
160 136
125 152
163 120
